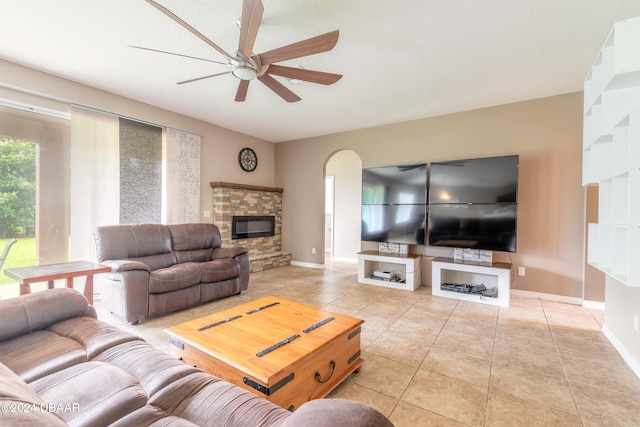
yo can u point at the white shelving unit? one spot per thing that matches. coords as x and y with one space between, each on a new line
406 267
496 275
611 153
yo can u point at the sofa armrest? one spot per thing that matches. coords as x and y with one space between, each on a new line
229 252
336 412
119 266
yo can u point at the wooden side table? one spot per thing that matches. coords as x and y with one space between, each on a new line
51 272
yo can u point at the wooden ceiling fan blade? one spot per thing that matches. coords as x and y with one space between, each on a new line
279 88
203 77
178 54
302 74
241 93
318 44
193 31
252 11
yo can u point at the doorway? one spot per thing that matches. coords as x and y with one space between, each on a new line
343 189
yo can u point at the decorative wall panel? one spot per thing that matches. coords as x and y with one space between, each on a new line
140 172
182 177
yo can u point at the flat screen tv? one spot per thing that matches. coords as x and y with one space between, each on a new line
386 185
394 204
483 180
473 203
394 223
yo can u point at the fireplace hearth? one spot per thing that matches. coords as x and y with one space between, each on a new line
248 227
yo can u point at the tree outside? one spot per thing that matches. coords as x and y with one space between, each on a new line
17 188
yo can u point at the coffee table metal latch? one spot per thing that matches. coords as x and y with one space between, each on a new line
317 325
277 345
255 310
221 322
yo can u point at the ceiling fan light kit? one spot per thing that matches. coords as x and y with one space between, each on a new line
244 72
242 65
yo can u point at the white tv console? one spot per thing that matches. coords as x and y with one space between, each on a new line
407 267
494 275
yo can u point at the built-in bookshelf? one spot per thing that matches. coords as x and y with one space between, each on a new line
611 153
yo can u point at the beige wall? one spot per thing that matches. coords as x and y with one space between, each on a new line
546 133
220 146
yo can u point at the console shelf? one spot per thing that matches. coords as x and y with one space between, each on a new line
407 267
496 275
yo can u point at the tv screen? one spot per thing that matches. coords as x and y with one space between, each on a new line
473 203
394 223
486 226
483 180
406 184
394 204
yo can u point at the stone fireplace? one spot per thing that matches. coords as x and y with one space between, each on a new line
249 201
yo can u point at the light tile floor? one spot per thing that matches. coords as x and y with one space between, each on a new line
443 362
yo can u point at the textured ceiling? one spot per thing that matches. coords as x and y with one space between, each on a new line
401 60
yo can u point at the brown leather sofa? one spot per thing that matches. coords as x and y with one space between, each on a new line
61 366
158 269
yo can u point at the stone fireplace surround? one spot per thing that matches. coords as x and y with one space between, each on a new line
231 199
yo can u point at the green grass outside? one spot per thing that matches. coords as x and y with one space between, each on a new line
22 254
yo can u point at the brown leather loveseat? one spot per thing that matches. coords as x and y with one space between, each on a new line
60 366
158 269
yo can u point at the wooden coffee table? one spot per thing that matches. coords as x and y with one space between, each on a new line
285 351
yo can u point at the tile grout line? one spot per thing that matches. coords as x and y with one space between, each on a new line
564 370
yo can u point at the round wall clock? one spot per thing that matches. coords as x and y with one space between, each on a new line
248 159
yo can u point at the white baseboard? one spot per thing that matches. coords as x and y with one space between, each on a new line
349 260
593 304
546 297
617 344
306 264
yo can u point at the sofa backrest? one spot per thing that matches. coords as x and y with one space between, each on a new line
194 242
32 312
147 243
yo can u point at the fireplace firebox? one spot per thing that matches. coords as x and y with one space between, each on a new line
247 227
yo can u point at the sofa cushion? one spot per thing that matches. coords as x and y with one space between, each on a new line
93 335
157 371
40 353
201 398
194 242
147 243
336 412
176 277
187 237
152 416
219 270
21 406
38 312
102 393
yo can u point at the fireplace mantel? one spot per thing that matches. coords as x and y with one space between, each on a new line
235 186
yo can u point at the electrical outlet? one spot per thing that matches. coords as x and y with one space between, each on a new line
313 251
521 271
635 322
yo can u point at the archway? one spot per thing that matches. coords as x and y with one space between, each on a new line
343 170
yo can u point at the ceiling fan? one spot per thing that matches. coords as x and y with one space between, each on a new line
246 65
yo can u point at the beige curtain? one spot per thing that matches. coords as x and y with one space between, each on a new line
181 202
95 178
